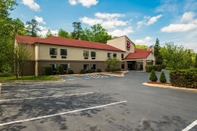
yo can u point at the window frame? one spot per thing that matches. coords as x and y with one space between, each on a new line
50 51
65 52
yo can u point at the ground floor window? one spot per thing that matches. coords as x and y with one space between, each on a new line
65 67
85 66
93 67
54 68
122 66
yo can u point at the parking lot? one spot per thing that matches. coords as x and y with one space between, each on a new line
96 104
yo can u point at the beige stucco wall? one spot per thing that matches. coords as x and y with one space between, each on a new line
73 53
121 43
150 57
30 48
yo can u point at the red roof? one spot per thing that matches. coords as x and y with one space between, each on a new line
139 53
66 42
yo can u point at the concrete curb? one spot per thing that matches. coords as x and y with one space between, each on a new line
170 87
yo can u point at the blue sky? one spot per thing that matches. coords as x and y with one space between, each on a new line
141 20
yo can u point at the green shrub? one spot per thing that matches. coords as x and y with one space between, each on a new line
70 72
113 64
98 70
157 67
6 69
90 70
153 76
48 70
149 68
162 77
82 71
61 70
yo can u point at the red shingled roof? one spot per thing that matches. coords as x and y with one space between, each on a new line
139 53
27 39
67 42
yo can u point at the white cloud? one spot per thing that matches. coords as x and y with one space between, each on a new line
108 16
144 41
91 21
148 20
118 32
43 31
188 16
72 2
31 4
108 21
86 3
39 20
182 27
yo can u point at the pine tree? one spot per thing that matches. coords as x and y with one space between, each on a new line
153 76
157 54
162 77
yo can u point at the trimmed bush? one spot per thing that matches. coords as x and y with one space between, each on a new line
61 70
48 70
149 68
162 77
98 70
90 70
82 71
153 76
70 72
184 78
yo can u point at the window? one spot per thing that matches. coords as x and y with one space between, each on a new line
108 55
93 66
85 66
122 66
53 51
63 52
93 54
65 67
85 54
114 55
122 56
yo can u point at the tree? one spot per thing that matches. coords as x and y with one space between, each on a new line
63 33
96 33
153 76
162 77
175 57
113 64
144 47
49 33
157 54
195 62
76 34
32 28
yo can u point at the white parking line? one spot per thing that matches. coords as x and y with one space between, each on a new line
32 98
190 126
62 113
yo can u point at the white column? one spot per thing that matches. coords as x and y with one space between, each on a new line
144 65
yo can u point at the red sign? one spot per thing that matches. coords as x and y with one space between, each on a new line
128 46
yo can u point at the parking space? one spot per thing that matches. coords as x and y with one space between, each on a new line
98 104
87 77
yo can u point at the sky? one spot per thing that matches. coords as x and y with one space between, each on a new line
143 21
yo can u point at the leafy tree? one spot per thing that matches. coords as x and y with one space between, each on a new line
162 77
157 54
49 33
32 28
175 57
96 33
63 33
144 47
76 34
195 62
153 76
113 64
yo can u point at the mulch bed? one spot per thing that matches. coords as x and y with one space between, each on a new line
159 83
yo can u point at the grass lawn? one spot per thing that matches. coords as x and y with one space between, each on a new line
29 78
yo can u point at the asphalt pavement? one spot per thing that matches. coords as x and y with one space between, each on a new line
107 104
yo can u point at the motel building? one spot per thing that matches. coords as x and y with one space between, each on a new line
79 54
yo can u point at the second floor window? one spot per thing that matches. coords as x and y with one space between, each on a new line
114 55
108 55
53 51
86 53
93 54
63 52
